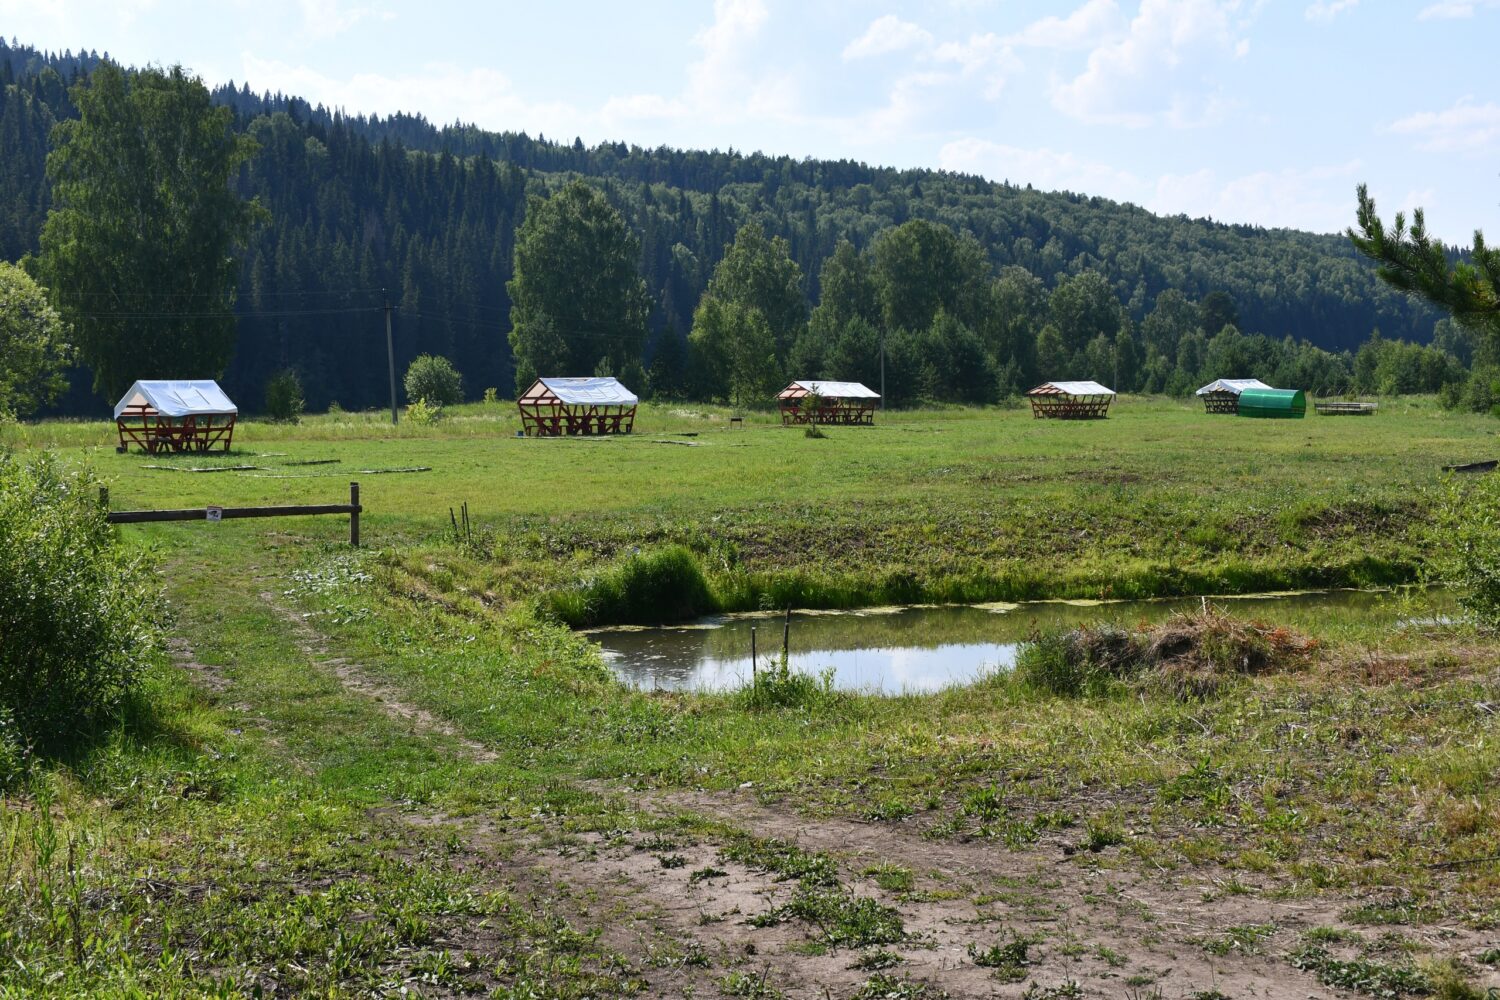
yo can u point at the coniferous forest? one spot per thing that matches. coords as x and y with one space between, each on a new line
1004 285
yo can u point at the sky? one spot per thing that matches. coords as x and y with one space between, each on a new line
1267 112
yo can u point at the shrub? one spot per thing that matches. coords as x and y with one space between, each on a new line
423 412
284 397
492 395
434 379
644 589
77 612
1467 535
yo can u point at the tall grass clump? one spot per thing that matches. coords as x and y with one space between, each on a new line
77 612
777 685
646 588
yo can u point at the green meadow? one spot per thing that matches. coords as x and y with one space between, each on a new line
355 771
945 505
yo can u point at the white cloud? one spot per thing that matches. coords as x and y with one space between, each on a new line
903 113
1084 28
1448 10
1044 168
722 85
987 56
322 19
1160 70
1327 10
887 34
441 91
1464 128
1317 198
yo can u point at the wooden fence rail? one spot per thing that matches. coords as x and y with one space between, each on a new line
211 513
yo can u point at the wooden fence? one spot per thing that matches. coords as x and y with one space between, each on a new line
214 513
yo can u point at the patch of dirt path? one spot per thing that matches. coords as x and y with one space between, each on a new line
1097 931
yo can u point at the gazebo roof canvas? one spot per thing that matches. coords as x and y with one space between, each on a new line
1234 385
597 391
1072 389
178 398
832 390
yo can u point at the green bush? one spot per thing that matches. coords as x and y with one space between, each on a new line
284 397
1467 539
434 379
424 412
77 612
645 589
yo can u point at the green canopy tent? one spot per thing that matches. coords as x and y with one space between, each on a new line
1282 403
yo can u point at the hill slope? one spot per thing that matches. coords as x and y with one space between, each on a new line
363 204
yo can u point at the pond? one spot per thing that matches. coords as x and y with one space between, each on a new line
912 650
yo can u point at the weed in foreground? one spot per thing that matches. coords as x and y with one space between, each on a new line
787 861
875 961
1065 990
883 987
749 986
842 918
1245 940
891 877
1375 979
1009 960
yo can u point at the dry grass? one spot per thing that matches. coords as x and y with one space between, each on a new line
1192 654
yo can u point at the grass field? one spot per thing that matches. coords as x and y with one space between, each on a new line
397 767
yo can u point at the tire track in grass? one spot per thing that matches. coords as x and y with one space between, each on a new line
360 681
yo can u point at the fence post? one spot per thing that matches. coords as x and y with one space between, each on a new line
752 655
354 515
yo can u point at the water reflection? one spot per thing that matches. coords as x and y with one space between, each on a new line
908 650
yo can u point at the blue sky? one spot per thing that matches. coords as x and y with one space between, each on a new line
1258 111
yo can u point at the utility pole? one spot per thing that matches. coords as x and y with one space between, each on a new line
390 353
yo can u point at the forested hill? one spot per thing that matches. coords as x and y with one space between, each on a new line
359 203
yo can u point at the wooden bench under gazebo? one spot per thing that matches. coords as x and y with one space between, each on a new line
557 407
837 403
175 415
1222 395
1071 400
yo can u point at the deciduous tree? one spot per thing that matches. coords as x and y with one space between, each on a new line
32 347
138 249
578 302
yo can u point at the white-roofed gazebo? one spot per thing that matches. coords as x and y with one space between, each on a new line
1222 395
1071 400
837 402
554 407
175 415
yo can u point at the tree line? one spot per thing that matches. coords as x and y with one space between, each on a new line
742 269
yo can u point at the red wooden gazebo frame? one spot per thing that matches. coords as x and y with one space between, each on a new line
175 416
555 407
838 403
1071 400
